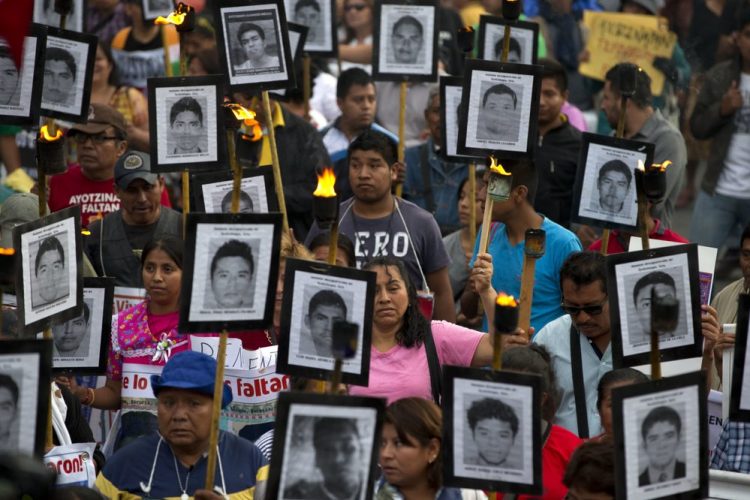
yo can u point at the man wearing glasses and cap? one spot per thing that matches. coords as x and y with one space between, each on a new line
173 462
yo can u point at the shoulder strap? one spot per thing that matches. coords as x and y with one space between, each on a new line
424 165
579 393
433 363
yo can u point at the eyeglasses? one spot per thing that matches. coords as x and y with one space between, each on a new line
592 310
358 7
96 139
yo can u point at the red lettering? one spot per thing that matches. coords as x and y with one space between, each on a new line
276 384
139 383
125 382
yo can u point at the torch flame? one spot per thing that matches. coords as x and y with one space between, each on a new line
466 29
326 181
45 135
497 167
641 166
7 251
248 118
506 300
177 17
661 166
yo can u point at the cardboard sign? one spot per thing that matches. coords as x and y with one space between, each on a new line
127 297
715 420
236 357
615 38
74 464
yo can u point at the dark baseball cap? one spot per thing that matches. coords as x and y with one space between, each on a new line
100 117
131 166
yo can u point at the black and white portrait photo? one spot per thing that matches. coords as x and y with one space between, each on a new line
50 281
317 16
522 48
405 41
231 261
155 8
44 13
499 115
256 45
20 89
324 450
214 192
661 430
451 90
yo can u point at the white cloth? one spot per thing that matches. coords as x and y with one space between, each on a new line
59 412
346 64
734 180
323 97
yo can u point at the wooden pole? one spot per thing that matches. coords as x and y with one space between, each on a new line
275 160
213 438
643 216
497 350
486 221
473 202
527 292
506 43
605 242
336 377
306 84
655 356
333 243
185 177
236 170
401 131
165 45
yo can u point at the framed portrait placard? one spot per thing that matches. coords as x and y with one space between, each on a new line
254 45
604 194
20 91
212 192
186 123
25 373
739 403
661 435
405 40
669 271
49 286
44 13
68 68
155 8
499 109
473 401
297 35
308 427
524 40
316 295
81 344
451 90
319 16
233 262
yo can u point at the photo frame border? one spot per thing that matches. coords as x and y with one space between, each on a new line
450 374
619 360
736 413
79 16
333 34
61 316
619 394
486 19
321 268
297 55
612 142
186 81
444 82
149 17
283 407
498 67
285 53
200 179
186 290
38 31
377 73
88 74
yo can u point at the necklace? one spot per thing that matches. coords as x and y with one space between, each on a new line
184 495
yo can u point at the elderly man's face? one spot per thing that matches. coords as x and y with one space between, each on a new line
8 80
58 81
68 335
407 42
184 417
643 302
231 281
50 275
494 439
338 456
8 410
253 44
661 444
320 322
613 188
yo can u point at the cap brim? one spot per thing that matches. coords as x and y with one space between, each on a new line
157 386
124 181
89 128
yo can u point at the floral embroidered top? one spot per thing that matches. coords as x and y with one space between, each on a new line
138 337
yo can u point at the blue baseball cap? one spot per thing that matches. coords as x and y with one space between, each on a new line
192 371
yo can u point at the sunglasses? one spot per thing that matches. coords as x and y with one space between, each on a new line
592 310
358 7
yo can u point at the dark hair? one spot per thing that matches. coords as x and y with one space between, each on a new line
233 248
58 54
86 312
408 20
642 96
227 199
616 166
420 420
513 46
48 244
209 59
555 70
661 414
535 359
524 174
349 78
745 235
344 244
371 140
652 278
10 384
326 298
245 27
114 74
585 268
592 467
332 425
5 53
301 4
169 245
185 104
415 326
615 377
489 408
500 89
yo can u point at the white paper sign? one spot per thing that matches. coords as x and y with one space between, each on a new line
74 464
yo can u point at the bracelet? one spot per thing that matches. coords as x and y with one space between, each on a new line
90 396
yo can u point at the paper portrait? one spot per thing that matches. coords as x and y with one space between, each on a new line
450 99
522 48
214 192
610 185
405 41
20 89
44 13
155 8
317 16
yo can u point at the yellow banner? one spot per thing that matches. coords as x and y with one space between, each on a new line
615 37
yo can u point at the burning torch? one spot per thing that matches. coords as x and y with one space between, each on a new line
665 315
326 210
498 189
651 187
534 246
183 19
506 322
236 116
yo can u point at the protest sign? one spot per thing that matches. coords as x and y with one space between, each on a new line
73 463
127 297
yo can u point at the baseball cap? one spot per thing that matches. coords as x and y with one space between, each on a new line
99 118
19 208
131 166
191 371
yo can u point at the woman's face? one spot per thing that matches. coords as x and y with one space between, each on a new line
162 278
605 410
357 14
464 205
391 298
102 66
404 463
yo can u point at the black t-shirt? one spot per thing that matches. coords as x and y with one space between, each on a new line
732 15
138 236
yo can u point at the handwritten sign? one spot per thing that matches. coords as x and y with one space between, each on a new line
615 38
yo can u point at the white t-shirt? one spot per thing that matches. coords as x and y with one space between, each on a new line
734 180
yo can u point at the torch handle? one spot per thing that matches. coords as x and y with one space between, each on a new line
275 161
236 170
306 84
336 378
401 131
643 216
42 190
213 438
333 243
605 242
486 222
48 440
165 45
620 132
506 43
497 350
527 292
183 55
473 202
655 356
185 200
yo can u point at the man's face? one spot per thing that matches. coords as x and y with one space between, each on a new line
141 201
591 325
8 410
551 101
407 43
68 335
102 157
610 104
370 176
745 261
495 112
187 130
613 188
8 80
320 322
310 17
432 117
494 439
50 275
643 302
253 44
58 81
184 417
231 281
338 456
358 107
661 443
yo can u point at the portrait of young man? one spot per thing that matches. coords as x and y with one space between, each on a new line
663 285
661 431
9 76
324 309
232 269
253 42
8 412
307 13
494 427
407 40
186 126
246 203
50 279
497 116
613 185
71 339
514 50
60 72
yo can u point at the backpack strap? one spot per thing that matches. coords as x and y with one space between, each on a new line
433 363
579 393
424 165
